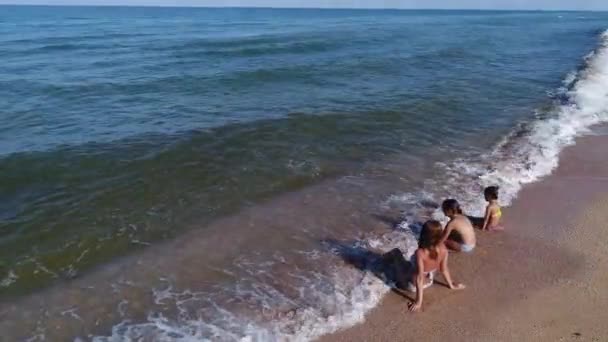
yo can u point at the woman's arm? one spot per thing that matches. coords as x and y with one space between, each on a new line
419 283
445 271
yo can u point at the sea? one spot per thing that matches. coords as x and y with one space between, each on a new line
234 174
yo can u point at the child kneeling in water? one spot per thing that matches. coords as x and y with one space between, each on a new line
493 212
430 256
459 224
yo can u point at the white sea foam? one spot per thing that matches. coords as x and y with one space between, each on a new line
527 160
336 297
343 296
10 278
536 153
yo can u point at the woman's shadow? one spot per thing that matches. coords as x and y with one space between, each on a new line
390 267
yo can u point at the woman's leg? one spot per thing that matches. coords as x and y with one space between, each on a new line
428 281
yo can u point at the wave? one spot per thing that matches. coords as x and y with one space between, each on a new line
531 151
274 48
65 47
526 155
253 40
260 45
58 40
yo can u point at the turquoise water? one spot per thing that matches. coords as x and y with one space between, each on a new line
124 128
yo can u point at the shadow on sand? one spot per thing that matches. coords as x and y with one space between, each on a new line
390 267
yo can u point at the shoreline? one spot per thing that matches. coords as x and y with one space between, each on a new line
541 279
390 316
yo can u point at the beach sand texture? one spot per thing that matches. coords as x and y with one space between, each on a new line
544 279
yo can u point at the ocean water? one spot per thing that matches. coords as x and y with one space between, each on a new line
178 174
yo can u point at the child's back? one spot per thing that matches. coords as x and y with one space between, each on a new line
460 224
430 261
463 226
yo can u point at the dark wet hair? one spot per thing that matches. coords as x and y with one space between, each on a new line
430 236
491 192
451 205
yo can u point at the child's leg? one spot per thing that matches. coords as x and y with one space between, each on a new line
453 245
428 281
496 228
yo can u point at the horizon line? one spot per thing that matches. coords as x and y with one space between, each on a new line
306 8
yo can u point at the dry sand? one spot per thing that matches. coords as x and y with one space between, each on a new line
544 279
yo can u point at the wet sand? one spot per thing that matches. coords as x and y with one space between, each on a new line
544 279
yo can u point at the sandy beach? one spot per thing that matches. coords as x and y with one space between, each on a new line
544 279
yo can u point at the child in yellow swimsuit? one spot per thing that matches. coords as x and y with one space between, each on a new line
493 212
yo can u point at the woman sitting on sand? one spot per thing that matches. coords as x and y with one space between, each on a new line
459 225
430 256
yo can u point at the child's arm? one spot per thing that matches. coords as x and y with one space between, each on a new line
419 283
445 271
486 219
447 231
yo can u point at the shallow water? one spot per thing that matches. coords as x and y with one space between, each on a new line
188 174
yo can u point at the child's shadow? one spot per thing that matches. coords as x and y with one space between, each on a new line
393 274
477 222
